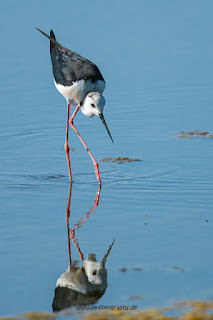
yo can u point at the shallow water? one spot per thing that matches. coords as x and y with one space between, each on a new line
157 62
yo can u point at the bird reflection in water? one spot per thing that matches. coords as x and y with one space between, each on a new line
86 284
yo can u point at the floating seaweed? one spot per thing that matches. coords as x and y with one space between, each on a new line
184 310
138 297
194 134
119 160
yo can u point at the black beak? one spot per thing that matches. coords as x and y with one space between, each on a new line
105 125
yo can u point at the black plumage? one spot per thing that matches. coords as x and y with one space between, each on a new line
69 66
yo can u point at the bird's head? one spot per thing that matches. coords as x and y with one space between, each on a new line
93 104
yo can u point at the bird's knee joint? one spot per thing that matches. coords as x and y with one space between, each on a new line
66 148
96 166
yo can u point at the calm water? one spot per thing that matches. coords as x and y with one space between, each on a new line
156 58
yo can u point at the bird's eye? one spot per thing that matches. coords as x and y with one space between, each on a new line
92 104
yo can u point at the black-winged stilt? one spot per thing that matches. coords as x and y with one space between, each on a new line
79 81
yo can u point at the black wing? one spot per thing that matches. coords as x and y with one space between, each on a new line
69 66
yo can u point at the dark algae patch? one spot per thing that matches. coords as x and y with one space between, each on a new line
119 160
177 268
125 269
136 298
192 134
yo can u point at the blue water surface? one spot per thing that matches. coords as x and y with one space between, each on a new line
156 58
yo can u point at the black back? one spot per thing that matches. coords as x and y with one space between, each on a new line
69 66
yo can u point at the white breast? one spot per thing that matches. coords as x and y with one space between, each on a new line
79 89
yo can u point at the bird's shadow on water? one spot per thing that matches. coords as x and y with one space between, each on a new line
85 284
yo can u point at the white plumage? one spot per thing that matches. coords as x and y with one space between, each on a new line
77 92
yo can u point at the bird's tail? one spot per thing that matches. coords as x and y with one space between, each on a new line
51 37
52 34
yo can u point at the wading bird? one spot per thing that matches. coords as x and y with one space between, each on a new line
79 81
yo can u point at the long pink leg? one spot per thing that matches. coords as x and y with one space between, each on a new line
93 160
67 215
66 147
81 220
74 240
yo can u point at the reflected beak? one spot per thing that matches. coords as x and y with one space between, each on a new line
105 125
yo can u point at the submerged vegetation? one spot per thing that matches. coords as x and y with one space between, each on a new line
186 310
194 134
119 160
193 310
